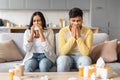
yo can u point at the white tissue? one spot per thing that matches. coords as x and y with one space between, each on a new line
93 76
16 78
73 78
105 73
36 28
44 78
86 71
100 62
102 72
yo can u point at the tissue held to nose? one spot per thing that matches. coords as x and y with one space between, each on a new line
36 28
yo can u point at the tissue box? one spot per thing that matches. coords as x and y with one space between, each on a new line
103 72
106 66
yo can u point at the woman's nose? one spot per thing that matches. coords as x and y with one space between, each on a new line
36 22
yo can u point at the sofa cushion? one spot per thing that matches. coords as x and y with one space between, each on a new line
107 50
9 51
115 67
4 67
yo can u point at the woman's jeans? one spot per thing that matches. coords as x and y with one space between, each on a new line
40 61
67 62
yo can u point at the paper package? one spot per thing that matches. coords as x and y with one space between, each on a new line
103 71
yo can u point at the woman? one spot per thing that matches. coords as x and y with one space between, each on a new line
39 45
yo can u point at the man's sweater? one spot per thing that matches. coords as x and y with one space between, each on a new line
69 45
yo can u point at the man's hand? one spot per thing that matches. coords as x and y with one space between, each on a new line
78 32
75 29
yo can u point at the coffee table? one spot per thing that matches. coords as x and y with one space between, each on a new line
53 76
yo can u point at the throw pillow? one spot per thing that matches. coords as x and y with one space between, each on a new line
96 52
109 51
9 51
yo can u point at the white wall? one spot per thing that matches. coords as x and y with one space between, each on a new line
114 18
99 14
119 13
22 17
106 15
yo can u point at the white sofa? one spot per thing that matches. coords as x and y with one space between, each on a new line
18 38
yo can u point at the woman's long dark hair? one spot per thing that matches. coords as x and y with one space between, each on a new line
42 18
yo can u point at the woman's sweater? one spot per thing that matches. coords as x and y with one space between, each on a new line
37 46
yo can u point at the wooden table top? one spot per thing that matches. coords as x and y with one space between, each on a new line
52 76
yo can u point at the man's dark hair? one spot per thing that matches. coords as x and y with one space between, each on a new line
74 12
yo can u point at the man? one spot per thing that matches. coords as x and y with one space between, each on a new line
74 42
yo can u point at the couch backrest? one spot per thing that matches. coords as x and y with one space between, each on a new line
99 37
18 38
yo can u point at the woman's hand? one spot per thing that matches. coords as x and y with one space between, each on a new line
40 32
40 28
30 38
32 29
37 30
